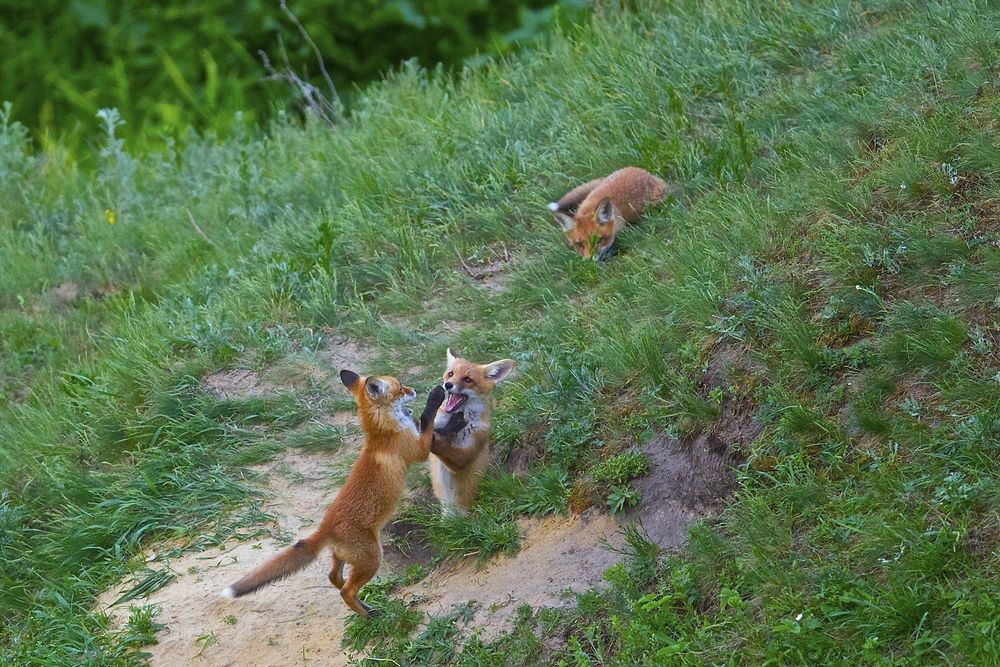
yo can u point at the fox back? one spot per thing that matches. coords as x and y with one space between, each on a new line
603 206
391 445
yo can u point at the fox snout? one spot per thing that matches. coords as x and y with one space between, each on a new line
455 399
594 246
604 253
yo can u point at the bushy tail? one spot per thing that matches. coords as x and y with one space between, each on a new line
288 561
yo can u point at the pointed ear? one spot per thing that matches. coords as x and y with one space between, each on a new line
375 387
565 222
605 212
498 370
452 355
349 378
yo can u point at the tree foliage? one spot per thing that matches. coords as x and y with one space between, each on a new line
170 65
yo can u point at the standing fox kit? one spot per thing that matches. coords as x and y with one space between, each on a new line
458 460
603 206
369 495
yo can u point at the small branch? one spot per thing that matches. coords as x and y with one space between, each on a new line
326 107
198 229
309 40
297 618
475 275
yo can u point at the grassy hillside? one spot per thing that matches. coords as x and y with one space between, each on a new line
837 233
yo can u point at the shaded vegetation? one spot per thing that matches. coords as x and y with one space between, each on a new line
170 66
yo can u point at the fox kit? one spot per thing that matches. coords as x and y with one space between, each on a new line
603 206
458 460
369 495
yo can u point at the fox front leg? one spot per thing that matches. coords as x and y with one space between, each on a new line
434 401
458 458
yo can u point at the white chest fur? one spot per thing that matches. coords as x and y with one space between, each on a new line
474 413
403 417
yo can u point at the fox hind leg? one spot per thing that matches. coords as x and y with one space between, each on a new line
337 573
574 197
362 571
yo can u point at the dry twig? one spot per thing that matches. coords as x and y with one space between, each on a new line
325 106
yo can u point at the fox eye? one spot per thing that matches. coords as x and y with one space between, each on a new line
450 373
467 380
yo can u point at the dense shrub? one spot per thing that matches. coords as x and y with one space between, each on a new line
168 65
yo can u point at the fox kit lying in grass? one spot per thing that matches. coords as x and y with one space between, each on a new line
603 206
458 460
369 495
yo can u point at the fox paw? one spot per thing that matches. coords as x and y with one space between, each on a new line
455 424
434 401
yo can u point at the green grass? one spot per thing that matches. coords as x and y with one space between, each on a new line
837 228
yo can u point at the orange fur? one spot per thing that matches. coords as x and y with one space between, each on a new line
457 461
369 495
603 206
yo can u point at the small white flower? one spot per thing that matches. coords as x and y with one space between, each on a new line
799 617
902 186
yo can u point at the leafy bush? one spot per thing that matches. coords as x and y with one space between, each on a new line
167 66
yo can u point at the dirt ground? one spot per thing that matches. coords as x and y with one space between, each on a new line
301 620
557 554
296 621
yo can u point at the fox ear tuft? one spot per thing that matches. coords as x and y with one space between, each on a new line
567 223
375 387
452 356
349 378
606 212
498 370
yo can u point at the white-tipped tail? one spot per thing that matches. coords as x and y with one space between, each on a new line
229 593
553 206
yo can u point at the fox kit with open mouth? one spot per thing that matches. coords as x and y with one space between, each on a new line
603 206
458 460
369 495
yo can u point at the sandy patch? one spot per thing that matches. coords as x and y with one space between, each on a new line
489 268
301 619
293 620
236 383
64 294
341 352
340 419
557 554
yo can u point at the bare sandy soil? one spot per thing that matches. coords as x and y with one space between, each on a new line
296 621
301 620
557 554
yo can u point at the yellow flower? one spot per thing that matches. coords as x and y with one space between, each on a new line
109 215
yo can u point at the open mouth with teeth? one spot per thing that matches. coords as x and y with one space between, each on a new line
454 402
